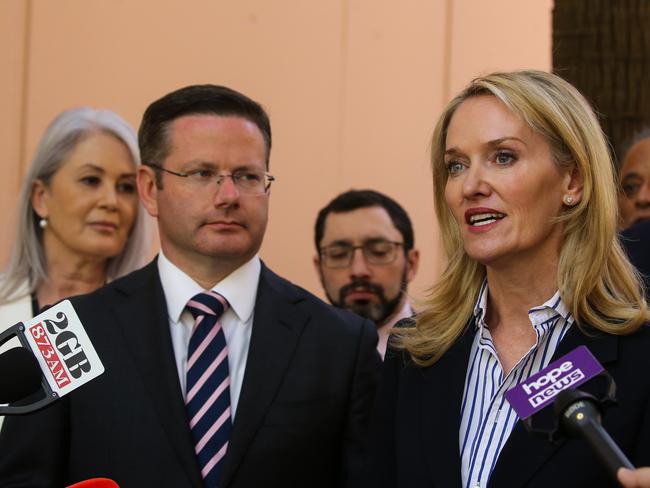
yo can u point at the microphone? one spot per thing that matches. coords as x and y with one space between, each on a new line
580 416
65 357
20 375
95 483
575 413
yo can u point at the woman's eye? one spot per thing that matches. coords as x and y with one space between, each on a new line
504 157
91 180
455 167
128 188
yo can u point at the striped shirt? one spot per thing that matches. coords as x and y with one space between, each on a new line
487 419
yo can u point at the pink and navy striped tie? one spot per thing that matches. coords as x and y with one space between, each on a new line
208 385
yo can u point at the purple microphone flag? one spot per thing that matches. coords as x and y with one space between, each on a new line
570 371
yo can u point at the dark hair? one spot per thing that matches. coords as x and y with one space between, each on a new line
355 199
195 99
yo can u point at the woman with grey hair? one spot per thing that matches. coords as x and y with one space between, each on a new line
79 223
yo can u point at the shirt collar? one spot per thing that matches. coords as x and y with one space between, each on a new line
405 312
540 315
239 287
550 309
481 305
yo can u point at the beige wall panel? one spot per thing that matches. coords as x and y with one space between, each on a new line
13 23
394 79
497 35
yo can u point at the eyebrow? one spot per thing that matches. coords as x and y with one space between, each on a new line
99 169
348 242
200 163
493 143
631 175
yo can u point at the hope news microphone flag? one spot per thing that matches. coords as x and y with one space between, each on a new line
65 355
575 413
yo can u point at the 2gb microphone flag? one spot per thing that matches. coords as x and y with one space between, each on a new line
62 347
538 391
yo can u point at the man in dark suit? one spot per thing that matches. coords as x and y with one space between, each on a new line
218 371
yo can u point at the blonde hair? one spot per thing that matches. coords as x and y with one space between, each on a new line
595 279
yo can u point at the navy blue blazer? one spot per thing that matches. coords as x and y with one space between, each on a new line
416 422
310 378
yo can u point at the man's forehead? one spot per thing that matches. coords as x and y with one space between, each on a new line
360 225
208 121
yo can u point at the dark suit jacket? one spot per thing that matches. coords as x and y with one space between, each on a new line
636 241
416 422
309 382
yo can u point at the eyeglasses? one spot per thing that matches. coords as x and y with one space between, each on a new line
375 252
248 182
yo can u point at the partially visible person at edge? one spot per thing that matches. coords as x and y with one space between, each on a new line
634 175
634 203
79 224
526 199
371 283
636 240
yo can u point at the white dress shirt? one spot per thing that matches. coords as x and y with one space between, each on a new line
240 289
487 419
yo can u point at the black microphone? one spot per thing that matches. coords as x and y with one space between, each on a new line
20 375
580 416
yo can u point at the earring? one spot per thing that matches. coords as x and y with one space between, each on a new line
42 223
568 199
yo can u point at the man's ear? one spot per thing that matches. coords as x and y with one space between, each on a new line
316 261
147 189
39 198
412 263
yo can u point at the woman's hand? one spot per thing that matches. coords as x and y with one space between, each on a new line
638 478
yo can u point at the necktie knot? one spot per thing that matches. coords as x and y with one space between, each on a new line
207 303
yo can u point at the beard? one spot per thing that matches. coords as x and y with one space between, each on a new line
376 310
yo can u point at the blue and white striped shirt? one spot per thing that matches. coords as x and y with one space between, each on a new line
487 419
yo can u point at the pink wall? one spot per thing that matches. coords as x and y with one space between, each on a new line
353 87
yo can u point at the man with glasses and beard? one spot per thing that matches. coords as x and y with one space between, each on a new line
371 282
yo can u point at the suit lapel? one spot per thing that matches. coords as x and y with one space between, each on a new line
143 319
442 394
277 326
524 453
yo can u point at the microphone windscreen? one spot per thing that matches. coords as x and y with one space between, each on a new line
20 375
95 483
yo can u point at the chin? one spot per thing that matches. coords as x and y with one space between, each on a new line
229 251
484 256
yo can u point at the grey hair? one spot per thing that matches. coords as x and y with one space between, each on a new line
27 261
